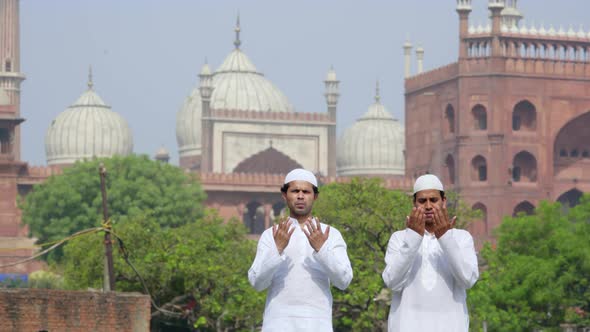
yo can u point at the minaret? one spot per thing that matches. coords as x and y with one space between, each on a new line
162 155
332 95
463 9
407 58
496 7
420 59
511 16
377 94
206 88
10 80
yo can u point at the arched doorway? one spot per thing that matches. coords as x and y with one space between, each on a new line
570 198
449 174
254 217
479 227
480 117
524 167
450 117
524 207
572 145
479 169
524 117
279 209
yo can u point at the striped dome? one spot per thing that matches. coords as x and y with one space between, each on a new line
373 145
87 129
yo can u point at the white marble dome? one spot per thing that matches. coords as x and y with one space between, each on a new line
237 85
87 129
374 145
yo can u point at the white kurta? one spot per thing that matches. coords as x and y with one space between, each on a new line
299 297
428 278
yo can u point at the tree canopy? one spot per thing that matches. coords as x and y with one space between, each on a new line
198 270
136 185
538 274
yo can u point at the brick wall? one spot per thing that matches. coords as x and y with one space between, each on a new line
68 311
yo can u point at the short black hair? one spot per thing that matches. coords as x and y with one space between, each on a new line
442 195
285 187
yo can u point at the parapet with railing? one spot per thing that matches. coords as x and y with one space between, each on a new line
275 181
273 116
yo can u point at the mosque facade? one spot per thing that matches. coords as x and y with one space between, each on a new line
505 126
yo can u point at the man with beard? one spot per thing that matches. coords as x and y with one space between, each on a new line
429 266
297 260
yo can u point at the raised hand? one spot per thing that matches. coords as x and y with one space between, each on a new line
282 234
314 233
415 221
442 223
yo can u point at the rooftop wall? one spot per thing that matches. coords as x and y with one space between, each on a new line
57 310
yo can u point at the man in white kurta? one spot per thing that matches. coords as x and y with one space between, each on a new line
429 266
298 274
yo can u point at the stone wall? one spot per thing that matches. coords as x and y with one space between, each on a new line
58 310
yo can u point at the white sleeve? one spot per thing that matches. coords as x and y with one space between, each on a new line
460 252
333 257
401 251
266 263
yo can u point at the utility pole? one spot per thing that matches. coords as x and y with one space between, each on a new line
109 272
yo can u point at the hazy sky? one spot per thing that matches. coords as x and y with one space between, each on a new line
146 54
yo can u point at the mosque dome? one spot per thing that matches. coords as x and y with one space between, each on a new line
373 145
237 85
87 129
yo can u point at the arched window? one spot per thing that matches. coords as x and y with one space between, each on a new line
480 119
524 167
480 226
479 169
450 116
524 117
574 153
5 145
524 207
450 169
570 198
8 66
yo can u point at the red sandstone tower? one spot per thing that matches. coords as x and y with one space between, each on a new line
507 125
13 238
10 79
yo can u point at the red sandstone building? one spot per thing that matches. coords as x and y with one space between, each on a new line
507 125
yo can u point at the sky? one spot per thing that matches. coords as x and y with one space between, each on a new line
146 54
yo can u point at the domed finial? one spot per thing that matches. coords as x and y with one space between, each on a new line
237 42
377 96
90 83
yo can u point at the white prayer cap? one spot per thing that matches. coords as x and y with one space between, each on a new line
426 182
300 174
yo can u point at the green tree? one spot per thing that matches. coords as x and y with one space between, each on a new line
538 275
136 185
367 214
198 270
